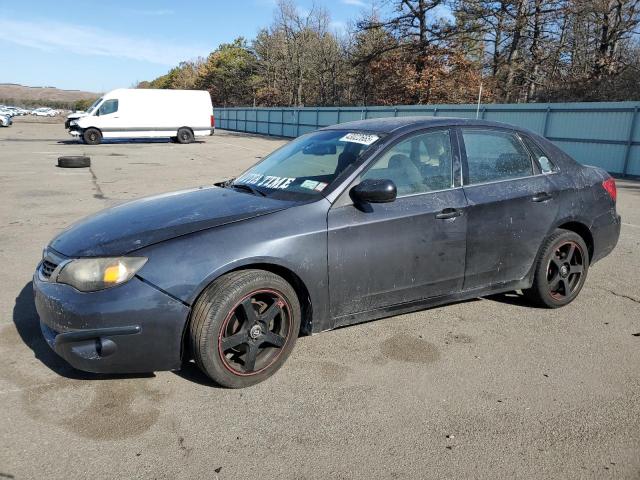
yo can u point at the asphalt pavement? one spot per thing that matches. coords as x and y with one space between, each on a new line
489 388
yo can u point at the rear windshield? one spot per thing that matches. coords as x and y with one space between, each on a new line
308 165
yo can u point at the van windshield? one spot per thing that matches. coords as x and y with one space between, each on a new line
94 105
306 166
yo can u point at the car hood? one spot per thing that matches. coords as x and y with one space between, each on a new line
122 229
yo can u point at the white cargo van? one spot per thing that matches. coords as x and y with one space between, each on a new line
145 113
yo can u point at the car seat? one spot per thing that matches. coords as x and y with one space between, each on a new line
405 174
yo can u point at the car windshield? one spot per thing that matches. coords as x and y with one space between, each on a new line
93 105
306 166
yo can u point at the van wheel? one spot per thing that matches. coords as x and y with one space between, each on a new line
185 135
92 136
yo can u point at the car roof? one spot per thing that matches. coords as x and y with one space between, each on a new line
396 124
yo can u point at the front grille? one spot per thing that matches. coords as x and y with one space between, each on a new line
48 268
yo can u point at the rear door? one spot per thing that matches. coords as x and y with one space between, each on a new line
411 249
511 206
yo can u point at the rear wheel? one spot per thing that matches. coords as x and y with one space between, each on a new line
244 326
92 136
185 135
561 270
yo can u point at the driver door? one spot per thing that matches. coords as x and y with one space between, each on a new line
107 118
387 254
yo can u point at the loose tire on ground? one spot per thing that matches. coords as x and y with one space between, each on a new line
185 135
561 270
92 136
78 161
225 336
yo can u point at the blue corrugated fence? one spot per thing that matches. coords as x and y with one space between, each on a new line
606 134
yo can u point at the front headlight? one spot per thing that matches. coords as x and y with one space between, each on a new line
91 274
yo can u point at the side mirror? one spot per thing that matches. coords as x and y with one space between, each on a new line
374 191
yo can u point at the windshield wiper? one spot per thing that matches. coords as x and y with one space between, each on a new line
248 188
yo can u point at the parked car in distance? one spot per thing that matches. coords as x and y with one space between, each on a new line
13 111
146 113
44 112
5 120
350 223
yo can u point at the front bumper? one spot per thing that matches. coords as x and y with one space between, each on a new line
131 328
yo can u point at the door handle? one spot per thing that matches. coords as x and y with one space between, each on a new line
448 213
541 197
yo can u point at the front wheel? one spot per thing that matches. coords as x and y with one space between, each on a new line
561 270
92 136
244 326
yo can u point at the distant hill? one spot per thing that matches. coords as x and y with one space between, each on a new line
11 93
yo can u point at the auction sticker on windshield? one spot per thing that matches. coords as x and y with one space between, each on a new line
362 138
313 185
310 184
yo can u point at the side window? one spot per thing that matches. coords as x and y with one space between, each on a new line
109 106
419 164
546 165
494 155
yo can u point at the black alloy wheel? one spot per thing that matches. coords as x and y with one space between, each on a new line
565 270
243 327
560 271
254 332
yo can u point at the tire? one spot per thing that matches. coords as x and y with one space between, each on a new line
74 162
561 270
244 327
185 135
92 136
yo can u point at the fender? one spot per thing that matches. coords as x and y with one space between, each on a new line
278 239
587 222
315 308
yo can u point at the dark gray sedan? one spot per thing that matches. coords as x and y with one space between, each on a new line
350 223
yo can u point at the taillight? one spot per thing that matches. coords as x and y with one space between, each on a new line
610 186
213 121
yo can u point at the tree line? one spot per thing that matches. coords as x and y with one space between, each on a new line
428 51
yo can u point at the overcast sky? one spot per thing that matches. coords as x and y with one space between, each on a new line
97 46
